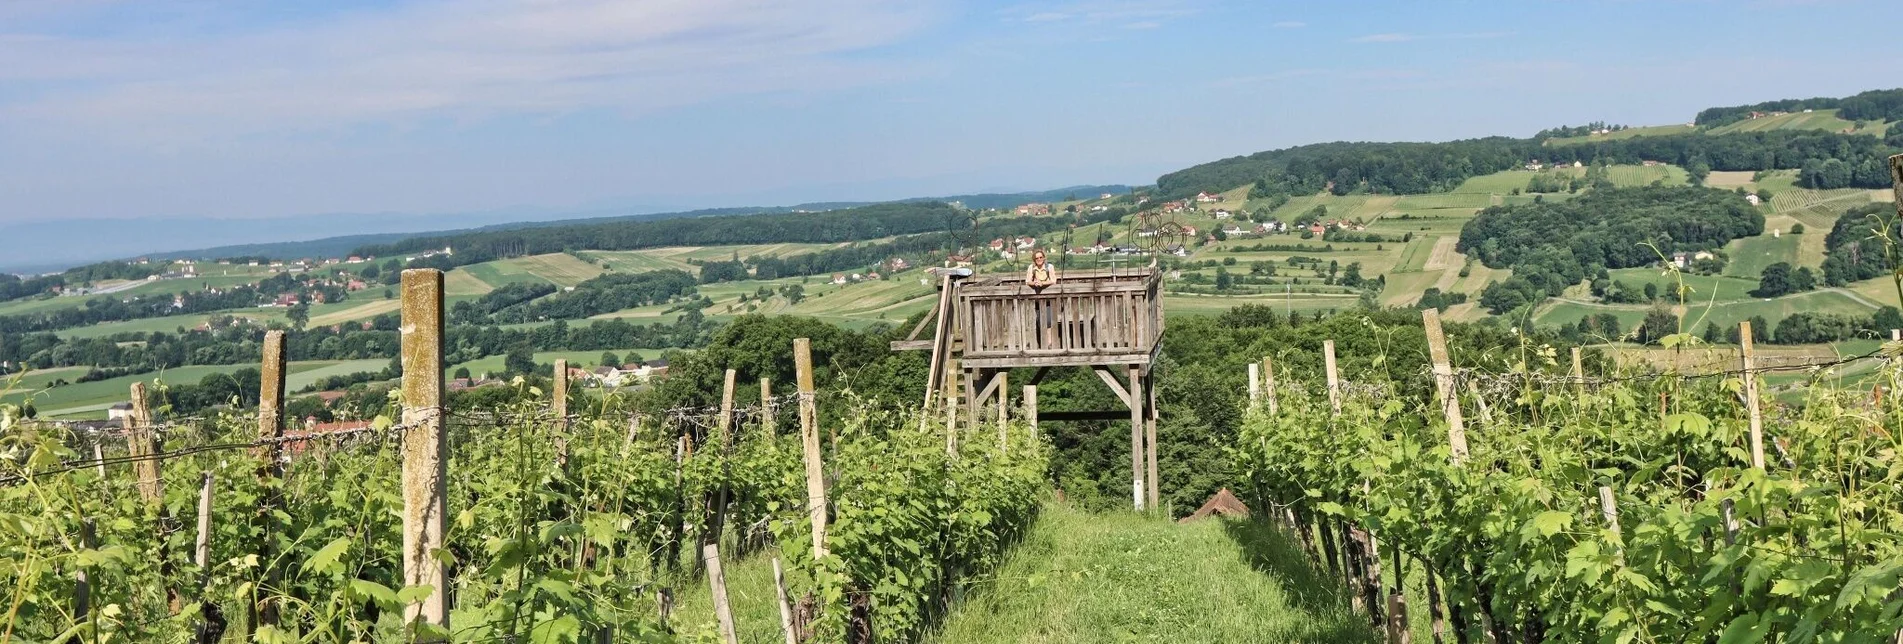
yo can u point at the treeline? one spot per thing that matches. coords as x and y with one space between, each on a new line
864 255
13 287
1568 131
1414 168
109 308
1552 245
849 224
150 351
1859 246
603 294
1874 105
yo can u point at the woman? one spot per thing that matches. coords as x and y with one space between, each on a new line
1040 275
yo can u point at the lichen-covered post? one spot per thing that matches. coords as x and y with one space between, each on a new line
425 449
559 408
143 443
270 465
1334 377
809 440
769 421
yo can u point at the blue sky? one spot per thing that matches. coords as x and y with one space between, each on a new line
263 109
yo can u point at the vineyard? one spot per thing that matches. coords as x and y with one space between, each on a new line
1580 507
532 522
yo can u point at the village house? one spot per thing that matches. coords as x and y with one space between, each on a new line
1751 199
1033 209
1204 197
898 264
839 278
1222 213
119 411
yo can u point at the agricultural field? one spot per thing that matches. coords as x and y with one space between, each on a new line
576 359
1651 130
1750 255
1814 120
1725 314
89 400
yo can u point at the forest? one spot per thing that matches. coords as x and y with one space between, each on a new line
1414 168
1854 249
13 287
1874 105
1552 245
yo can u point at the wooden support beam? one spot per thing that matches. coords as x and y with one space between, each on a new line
941 339
1136 437
1444 384
786 607
1037 377
809 443
1749 359
1116 386
1062 416
1155 479
425 447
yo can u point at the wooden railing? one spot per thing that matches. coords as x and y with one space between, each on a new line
1114 315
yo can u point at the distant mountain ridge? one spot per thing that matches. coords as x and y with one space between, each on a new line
58 245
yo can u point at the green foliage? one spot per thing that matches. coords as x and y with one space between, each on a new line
1516 529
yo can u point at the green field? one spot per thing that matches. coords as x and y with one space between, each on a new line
576 359
1815 120
1750 255
1651 130
1724 314
90 399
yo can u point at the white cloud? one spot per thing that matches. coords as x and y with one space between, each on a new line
470 58
1135 14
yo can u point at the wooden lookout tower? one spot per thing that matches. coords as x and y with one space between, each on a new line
1108 321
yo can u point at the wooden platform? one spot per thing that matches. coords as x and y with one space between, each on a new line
1100 317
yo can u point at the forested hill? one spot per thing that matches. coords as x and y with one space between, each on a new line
1827 159
1413 168
849 224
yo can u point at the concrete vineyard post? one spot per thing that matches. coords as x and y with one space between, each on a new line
809 439
1149 424
1444 384
1004 404
1030 408
1749 360
768 421
1255 384
1334 381
425 447
717 583
1609 509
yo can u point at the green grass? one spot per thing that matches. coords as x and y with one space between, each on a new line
1727 288
1081 577
576 359
168 324
1750 255
1725 314
1414 255
1816 120
304 374
90 399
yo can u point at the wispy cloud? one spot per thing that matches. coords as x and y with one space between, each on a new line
1409 37
1289 24
461 59
1133 14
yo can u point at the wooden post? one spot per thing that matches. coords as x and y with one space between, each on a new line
1751 394
1334 380
1004 410
1030 408
726 449
1136 439
786 608
140 436
425 447
1155 479
717 583
768 420
560 406
726 406
1579 370
1255 384
1268 384
271 404
809 438
1444 384
99 458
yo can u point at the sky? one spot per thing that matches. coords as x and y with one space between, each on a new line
246 109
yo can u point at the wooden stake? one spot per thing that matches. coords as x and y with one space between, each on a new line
809 438
1444 384
425 447
768 421
82 587
1609 508
1751 394
1004 413
271 405
1155 479
726 449
1334 381
717 582
1030 408
140 436
1268 384
786 608
99 459
1579 371
559 409
726 406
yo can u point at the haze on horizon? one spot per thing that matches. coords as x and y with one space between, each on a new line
249 110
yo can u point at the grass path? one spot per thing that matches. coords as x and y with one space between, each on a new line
1082 577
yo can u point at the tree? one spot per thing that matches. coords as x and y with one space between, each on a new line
1223 279
1712 335
1780 279
520 360
462 373
1797 229
299 315
609 359
1658 323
